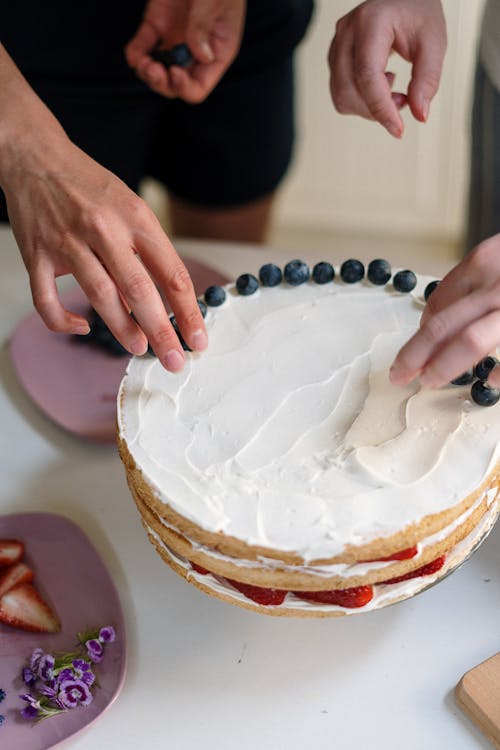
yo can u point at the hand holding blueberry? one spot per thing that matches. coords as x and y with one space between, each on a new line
181 50
460 325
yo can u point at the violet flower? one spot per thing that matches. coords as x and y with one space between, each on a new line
29 677
32 710
73 693
107 634
46 667
35 659
95 650
82 671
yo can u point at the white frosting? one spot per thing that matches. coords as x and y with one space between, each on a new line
383 594
286 433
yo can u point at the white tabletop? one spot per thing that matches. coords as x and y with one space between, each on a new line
205 674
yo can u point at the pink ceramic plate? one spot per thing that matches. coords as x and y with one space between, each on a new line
71 576
73 383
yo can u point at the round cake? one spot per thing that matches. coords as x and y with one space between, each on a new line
281 471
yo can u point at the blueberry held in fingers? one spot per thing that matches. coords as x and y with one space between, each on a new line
483 395
431 286
296 272
379 272
466 378
484 367
179 55
352 271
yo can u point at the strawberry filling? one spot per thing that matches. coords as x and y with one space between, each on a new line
350 598
404 554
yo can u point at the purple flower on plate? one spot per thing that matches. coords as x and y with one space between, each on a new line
29 677
95 650
31 711
2 695
73 693
107 634
49 691
66 674
82 671
46 667
2 719
35 659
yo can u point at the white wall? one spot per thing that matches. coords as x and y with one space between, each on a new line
350 176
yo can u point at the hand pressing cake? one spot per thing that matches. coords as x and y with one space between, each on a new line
281 471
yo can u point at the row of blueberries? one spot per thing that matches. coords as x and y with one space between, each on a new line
297 272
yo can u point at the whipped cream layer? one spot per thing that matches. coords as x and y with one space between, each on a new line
286 432
383 594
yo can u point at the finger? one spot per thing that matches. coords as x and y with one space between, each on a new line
471 344
462 280
202 17
426 75
105 298
494 377
142 297
172 277
193 86
343 90
144 40
371 54
48 304
436 333
157 77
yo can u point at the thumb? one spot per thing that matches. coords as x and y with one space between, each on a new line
426 75
202 19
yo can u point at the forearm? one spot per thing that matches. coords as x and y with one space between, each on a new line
26 125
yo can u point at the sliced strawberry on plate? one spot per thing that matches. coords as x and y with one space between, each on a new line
23 607
259 594
11 551
352 598
13 576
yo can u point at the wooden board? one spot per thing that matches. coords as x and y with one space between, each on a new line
478 694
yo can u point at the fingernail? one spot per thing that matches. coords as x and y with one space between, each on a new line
138 347
199 340
395 374
81 330
207 51
425 110
174 361
393 129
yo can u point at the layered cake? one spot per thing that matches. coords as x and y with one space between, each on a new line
281 471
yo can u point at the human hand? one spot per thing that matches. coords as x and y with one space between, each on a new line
212 30
359 54
460 324
71 216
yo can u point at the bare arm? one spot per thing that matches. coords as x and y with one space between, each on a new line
71 216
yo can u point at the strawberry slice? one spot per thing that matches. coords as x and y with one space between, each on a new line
199 569
404 554
259 594
352 598
13 576
424 570
11 551
23 607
